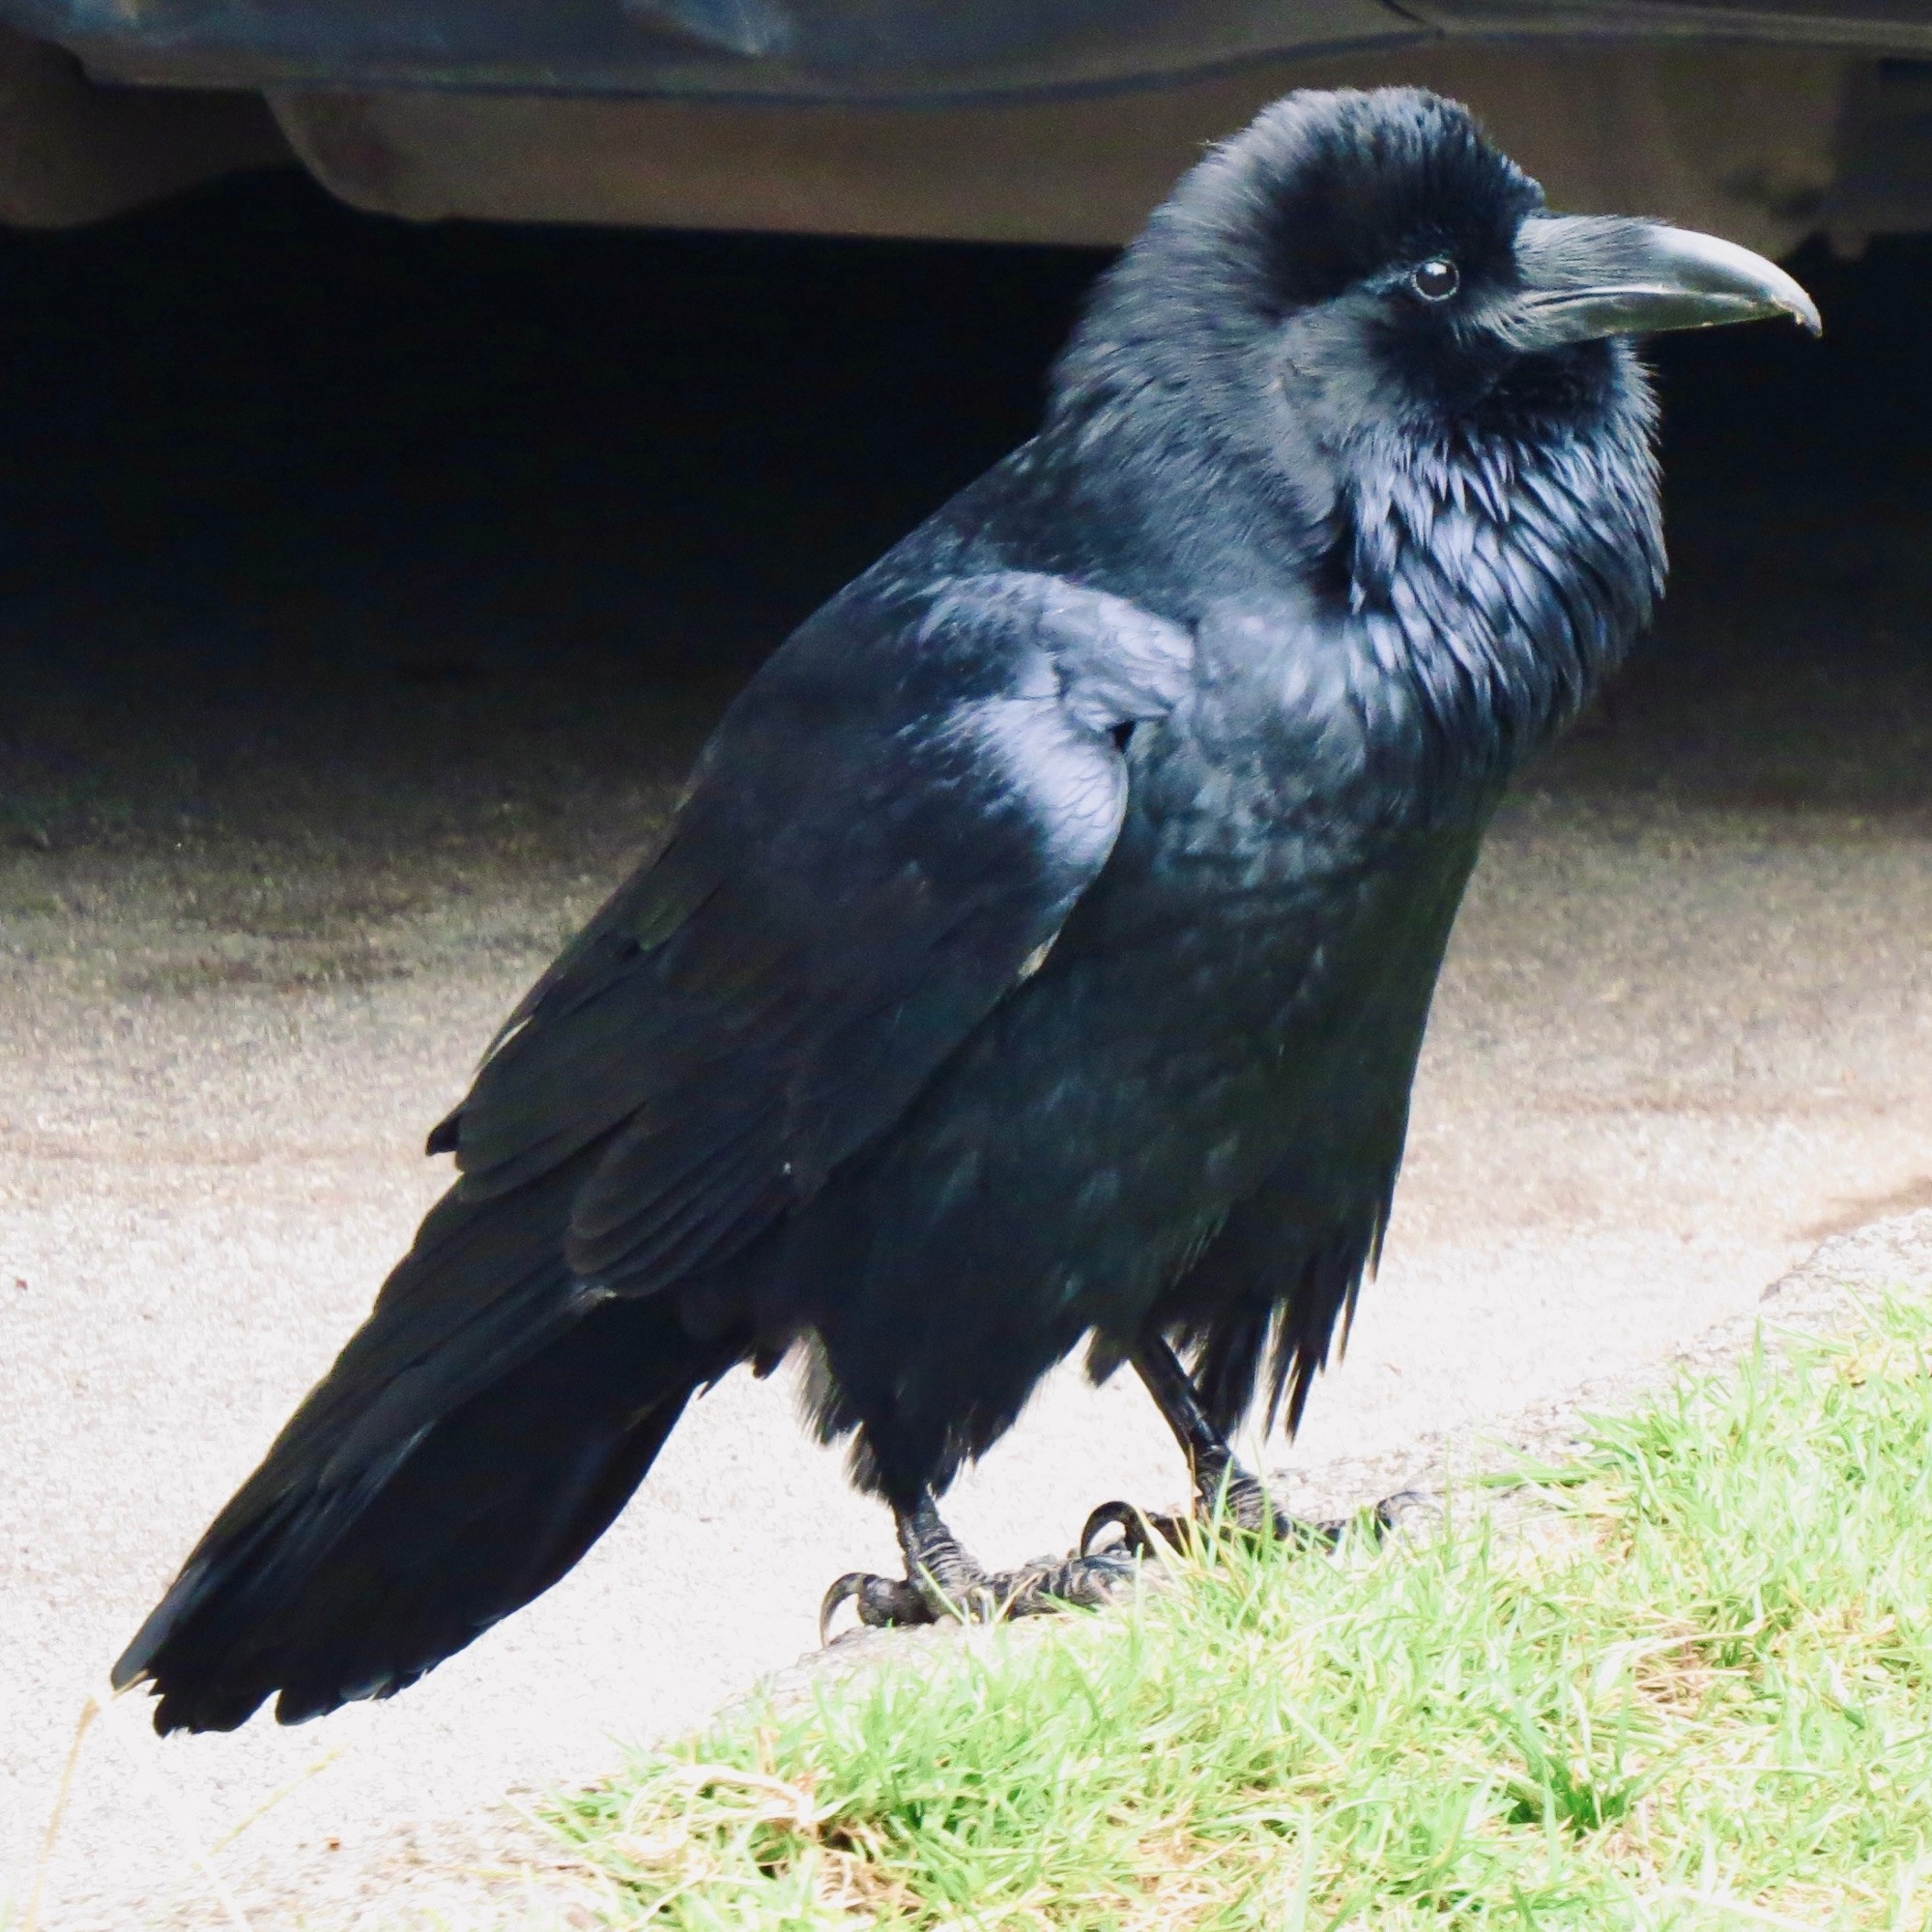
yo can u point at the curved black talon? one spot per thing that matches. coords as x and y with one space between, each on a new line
1081 1581
1141 1534
847 1586
1391 1510
943 1580
883 1602
1244 1506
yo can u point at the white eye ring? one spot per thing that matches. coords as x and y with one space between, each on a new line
1436 280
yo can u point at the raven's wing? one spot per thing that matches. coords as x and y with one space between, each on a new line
887 831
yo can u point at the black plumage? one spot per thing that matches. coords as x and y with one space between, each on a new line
1042 951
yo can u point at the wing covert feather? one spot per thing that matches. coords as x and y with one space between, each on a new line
892 822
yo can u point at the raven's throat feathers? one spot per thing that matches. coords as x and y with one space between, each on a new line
1505 576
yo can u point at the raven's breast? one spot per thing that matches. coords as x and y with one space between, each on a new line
1236 1003
1248 978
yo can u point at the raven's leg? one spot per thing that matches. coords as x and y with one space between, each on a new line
1224 1490
943 1580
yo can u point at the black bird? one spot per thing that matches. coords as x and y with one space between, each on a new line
1043 949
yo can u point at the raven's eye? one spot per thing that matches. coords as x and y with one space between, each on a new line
1437 280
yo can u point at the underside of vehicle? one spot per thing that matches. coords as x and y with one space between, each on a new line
1007 120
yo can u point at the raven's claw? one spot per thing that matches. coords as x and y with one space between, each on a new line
1084 1582
1140 1535
1242 1505
883 1602
943 1580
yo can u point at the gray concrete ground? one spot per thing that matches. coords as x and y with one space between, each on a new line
250 946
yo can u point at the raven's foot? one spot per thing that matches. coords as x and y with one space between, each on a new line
943 1581
1227 1498
1236 1503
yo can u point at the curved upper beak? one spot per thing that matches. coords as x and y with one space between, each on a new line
1586 275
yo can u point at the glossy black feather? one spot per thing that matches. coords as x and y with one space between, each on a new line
766 998
1044 949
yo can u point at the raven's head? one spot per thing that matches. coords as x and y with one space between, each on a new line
1354 264
1358 320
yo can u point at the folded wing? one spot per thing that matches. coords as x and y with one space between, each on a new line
890 827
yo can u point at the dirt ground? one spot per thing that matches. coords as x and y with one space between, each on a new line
258 914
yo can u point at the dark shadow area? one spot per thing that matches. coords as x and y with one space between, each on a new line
1767 407
316 524
1792 662
254 396
305 512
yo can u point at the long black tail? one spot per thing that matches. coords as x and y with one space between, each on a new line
477 1435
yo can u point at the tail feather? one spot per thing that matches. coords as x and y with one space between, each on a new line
425 1489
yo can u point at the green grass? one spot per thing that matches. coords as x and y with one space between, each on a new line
1692 1689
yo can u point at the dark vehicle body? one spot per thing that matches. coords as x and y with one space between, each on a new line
1000 120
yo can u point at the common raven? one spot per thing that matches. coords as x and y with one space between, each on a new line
1043 949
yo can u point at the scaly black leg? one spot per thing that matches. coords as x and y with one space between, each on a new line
1225 1492
943 1580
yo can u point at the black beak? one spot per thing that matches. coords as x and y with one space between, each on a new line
1586 275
